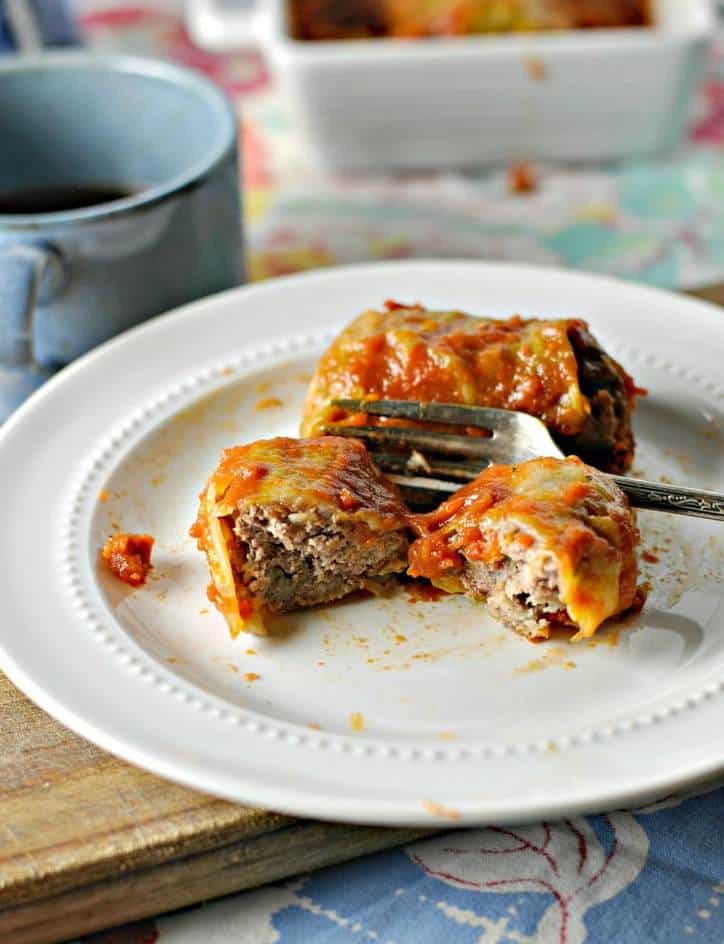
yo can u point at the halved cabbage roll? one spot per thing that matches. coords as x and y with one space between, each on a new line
547 543
290 523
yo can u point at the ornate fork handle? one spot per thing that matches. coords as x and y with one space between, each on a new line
675 500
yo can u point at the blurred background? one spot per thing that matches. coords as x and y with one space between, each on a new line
657 218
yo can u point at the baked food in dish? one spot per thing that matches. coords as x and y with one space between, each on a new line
555 370
336 19
355 19
460 17
289 523
547 543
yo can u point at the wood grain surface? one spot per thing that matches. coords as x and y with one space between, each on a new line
88 842
709 293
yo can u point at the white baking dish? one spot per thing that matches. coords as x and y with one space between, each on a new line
379 103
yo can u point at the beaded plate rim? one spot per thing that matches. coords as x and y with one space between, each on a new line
180 394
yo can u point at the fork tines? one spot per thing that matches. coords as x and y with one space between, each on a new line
427 464
446 444
483 417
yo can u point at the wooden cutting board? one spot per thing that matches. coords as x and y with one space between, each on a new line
88 842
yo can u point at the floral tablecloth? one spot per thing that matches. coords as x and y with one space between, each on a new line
652 874
660 222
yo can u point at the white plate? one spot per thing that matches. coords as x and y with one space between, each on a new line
461 719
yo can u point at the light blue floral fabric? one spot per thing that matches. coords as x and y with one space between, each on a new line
654 874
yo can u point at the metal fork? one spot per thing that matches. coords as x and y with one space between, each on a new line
429 465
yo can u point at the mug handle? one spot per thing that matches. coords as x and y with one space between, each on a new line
27 274
212 27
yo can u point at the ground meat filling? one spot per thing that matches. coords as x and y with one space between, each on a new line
521 590
606 440
293 559
547 543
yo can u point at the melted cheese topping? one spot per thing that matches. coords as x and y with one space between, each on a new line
412 19
417 18
297 474
450 357
563 507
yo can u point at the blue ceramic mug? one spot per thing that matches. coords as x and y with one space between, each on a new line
119 199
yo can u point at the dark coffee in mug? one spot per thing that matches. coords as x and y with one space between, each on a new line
60 199
119 199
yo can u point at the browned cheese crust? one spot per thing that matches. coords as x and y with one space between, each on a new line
290 523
